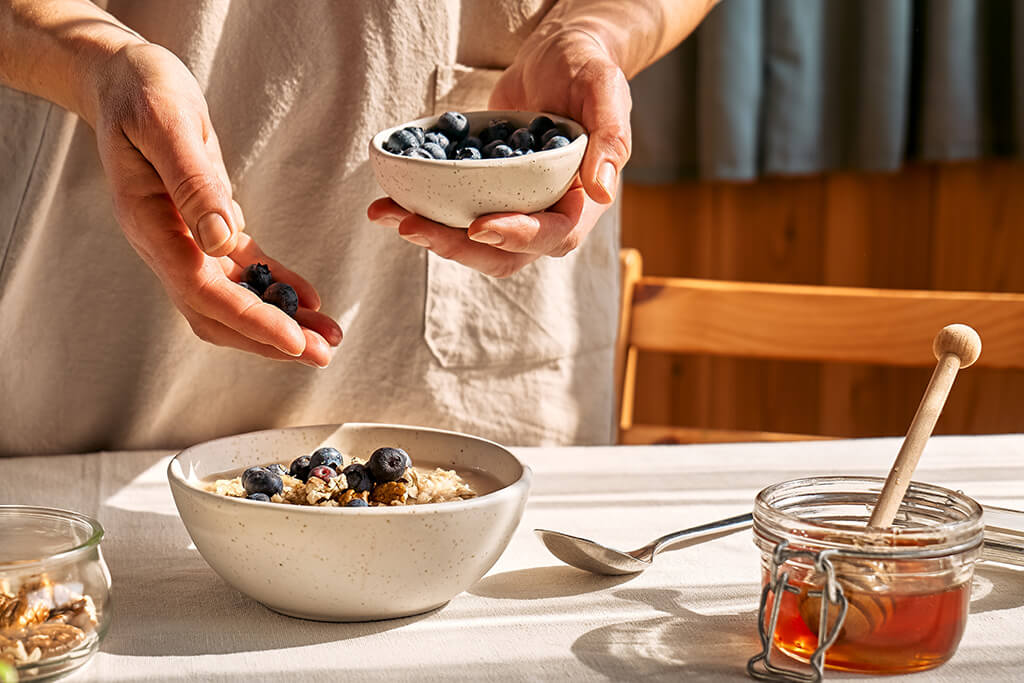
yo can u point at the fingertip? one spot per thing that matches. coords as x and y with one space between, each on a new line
318 353
602 184
378 208
293 339
239 215
323 325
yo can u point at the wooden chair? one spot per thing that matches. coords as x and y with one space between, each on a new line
793 322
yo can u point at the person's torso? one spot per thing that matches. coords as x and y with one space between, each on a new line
295 90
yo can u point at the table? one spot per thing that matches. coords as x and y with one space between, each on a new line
690 617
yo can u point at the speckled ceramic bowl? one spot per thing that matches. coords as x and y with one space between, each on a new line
455 193
349 564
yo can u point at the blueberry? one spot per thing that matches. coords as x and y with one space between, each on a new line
357 503
471 141
556 142
540 125
439 139
261 480
358 478
327 456
497 129
282 296
554 132
453 124
401 140
434 150
417 152
257 276
521 139
388 464
322 472
246 285
497 150
277 469
259 496
468 153
300 467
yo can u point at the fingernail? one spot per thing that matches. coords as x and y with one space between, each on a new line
487 237
419 240
213 232
606 178
311 364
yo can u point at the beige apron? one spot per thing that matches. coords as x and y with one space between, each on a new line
96 357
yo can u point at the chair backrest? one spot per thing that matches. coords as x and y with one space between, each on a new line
794 322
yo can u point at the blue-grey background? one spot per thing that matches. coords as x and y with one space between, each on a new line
803 86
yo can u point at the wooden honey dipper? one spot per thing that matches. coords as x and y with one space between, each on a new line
955 347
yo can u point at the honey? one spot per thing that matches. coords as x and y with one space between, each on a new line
906 588
891 633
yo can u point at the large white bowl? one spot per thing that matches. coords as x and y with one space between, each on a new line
349 564
456 193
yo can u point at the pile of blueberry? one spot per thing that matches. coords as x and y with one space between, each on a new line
451 138
257 279
385 465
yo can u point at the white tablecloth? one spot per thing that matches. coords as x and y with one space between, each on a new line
689 618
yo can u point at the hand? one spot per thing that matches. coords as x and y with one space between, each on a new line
569 73
172 197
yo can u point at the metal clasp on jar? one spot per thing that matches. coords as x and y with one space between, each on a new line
831 594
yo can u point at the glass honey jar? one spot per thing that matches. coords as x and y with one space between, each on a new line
839 595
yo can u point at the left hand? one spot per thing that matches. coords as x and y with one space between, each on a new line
569 73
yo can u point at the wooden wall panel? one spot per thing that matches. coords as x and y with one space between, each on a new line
930 226
979 223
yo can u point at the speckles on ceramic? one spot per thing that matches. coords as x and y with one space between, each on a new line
455 193
411 558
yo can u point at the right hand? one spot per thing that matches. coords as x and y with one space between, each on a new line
172 197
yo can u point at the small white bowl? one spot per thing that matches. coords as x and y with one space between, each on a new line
456 192
349 564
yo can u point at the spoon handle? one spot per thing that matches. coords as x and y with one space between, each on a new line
722 526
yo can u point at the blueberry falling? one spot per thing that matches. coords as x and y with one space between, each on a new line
450 138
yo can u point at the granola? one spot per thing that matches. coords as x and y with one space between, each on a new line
43 619
345 481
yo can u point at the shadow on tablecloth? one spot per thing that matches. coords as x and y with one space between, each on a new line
693 645
684 644
996 587
540 583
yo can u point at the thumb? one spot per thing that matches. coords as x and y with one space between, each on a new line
606 117
194 177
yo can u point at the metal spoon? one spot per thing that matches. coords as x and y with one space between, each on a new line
593 557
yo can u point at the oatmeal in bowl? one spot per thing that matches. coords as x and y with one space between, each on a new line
274 514
327 478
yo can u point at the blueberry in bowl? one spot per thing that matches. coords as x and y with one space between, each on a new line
496 162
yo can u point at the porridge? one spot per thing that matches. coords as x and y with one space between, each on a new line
326 478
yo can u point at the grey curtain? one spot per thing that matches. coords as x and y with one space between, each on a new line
804 86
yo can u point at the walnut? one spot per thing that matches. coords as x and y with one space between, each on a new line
18 612
52 639
81 613
389 493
